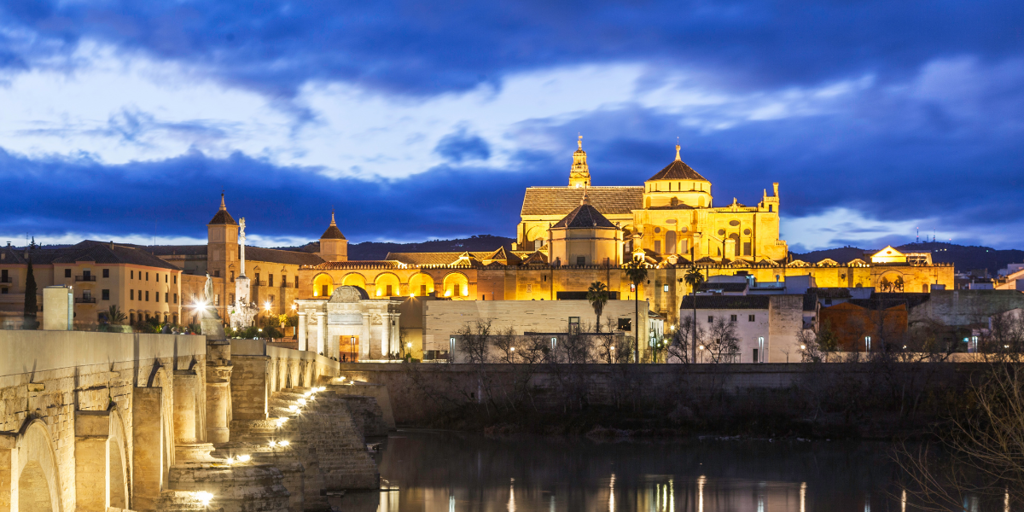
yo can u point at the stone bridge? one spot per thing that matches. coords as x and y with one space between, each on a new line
109 421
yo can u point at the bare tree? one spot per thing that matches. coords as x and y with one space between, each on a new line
985 446
721 343
506 341
473 341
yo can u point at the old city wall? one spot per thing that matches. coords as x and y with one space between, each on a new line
67 414
430 394
965 307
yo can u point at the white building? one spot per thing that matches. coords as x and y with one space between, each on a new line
767 326
350 326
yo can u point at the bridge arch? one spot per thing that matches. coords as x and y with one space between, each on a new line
39 482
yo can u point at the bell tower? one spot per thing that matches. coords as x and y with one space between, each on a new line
333 245
221 251
579 175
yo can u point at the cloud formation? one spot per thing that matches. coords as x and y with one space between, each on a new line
127 118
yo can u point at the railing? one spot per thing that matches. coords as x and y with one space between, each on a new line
85 300
85 278
6 279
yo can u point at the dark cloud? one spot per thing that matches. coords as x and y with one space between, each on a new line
459 146
429 47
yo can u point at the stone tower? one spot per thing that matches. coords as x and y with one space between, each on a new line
333 245
221 252
579 175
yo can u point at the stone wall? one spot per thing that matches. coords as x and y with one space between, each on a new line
423 394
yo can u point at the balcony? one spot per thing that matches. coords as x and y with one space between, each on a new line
6 279
85 300
85 278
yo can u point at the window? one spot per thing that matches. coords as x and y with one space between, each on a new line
175 298
86 275
165 278
4 277
323 291
574 324
175 280
231 275
167 297
554 342
216 299
133 274
657 246
388 290
711 319
106 272
147 295
105 294
625 324
423 290
257 278
750 318
131 294
665 288
867 343
746 248
296 281
581 260
732 318
147 276
4 290
67 272
270 280
216 273
760 350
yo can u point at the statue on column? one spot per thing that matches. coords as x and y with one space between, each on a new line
243 310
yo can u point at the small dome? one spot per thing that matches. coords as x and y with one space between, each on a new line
677 170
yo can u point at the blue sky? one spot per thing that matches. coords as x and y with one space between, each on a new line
125 120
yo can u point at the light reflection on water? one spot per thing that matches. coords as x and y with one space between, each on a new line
438 471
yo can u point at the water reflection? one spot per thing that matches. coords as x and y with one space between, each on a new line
461 472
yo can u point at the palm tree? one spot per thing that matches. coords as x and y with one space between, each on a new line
115 315
597 294
636 271
694 279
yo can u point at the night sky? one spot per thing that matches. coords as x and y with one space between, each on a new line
125 120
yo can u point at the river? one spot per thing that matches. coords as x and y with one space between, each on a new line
450 471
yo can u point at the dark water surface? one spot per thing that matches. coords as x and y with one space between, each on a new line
447 471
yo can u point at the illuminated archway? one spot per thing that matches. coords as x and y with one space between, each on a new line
354 279
323 285
421 284
38 475
387 285
117 474
456 285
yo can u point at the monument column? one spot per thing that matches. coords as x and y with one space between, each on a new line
302 330
321 334
364 338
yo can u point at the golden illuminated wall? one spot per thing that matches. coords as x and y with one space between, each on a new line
596 246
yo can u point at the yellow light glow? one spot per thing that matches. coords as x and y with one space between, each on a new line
284 443
203 497
244 458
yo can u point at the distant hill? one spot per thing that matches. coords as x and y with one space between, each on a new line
378 250
963 257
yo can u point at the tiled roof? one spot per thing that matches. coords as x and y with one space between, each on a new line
726 302
103 253
436 258
562 200
332 233
173 250
677 170
830 293
281 256
11 255
584 216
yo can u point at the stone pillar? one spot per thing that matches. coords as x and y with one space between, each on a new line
185 406
8 468
92 460
321 332
302 330
218 384
147 448
385 335
364 338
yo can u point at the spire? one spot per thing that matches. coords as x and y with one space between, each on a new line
585 200
677 154
222 216
332 217
222 205
579 174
